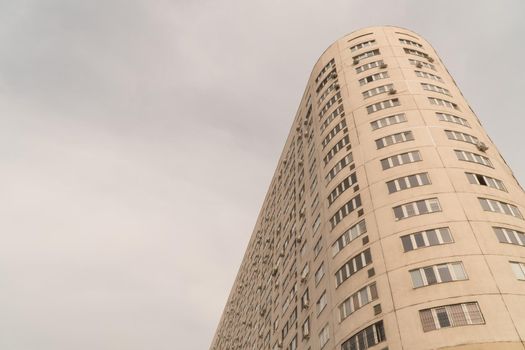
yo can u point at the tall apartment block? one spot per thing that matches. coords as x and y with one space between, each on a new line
392 221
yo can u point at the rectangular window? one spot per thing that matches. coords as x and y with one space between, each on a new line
339 111
305 300
335 130
452 119
321 303
316 224
345 210
461 136
378 90
367 54
352 266
426 75
390 120
441 273
483 180
324 336
340 165
410 42
467 156
421 64
318 247
400 159
443 103
451 316
510 236
348 236
426 238
345 141
373 77
519 270
394 138
425 206
362 44
350 181
357 300
366 338
435 88
500 207
368 66
293 344
382 105
319 274
306 328
406 182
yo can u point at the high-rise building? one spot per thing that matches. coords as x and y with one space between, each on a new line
392 221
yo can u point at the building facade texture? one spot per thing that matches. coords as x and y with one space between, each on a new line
392 221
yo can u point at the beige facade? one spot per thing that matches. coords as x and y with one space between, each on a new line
392 220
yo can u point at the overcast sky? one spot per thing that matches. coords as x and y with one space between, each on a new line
138 139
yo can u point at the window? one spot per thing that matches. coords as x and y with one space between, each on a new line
305 300
340 126
435 88
483 180
467 156
378 90
420 64
400 159
350 181
293 344
452 119
444 103
352 266
441 273
346 209
366 55
366 338
421 207
334 99
422 74
321 303
373 77
357 300
415 53
461 136
390 120
318 246
340 165
500 207
368 66
406 182
382 105
507 235
362 44
519 270
348 236
410 42
338 111
316 224
319 274
324 336
325 69
451 316
426 238
345 141
394 138
306 328
330 76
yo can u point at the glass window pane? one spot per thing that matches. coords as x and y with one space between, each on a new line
444 273
445 235
419 240
442 317
430 275
459 272
407 243
432 237
417 280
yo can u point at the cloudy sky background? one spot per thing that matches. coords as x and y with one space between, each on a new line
138 139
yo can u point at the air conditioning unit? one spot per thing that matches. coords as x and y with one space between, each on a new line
298 238
281 253
430 59
356 61
333 75
482 146
277 284
274 271
280 343
383 65
419 65
300 162
306 333
306 305
336 86
303 279
392 91
298 127
301 212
